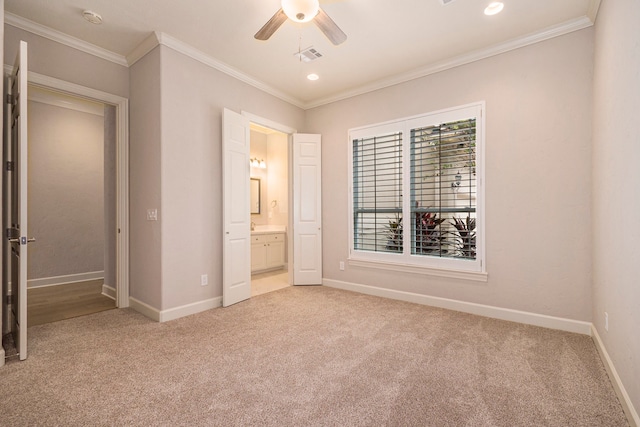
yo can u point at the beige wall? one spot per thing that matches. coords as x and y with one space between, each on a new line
538 160
616 199
278 179
145 241
259 150
66 209
274 180
184 173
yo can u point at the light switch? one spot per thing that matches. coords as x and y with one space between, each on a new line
152 214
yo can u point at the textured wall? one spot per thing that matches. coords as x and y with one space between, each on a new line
66 209
616 199
538 174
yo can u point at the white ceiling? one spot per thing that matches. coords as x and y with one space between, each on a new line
388 41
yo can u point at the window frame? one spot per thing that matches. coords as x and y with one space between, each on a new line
420 263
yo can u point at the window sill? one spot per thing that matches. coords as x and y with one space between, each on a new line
476 276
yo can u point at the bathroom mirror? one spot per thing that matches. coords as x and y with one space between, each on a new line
255 196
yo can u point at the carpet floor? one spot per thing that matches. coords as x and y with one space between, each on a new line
307 356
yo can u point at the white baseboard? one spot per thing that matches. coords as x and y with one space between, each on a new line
527 318
189 309
109 292
143 308
623 397
63 280
174 313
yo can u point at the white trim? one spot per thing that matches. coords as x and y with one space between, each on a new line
176 312
122 168
193 53
159 38
476 276
109 292
548 33
62 38
527 318
189 309
37 94
592 12
623 396
64 279
145 309
268 123
143 48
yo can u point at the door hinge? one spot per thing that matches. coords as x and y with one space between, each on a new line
9 166
9 99
9 300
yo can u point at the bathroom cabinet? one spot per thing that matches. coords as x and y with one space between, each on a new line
267 251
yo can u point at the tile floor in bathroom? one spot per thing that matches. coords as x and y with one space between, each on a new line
268 282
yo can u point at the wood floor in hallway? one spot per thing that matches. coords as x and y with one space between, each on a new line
53 303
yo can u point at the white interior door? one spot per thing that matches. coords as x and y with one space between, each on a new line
236 276
307 210
17 181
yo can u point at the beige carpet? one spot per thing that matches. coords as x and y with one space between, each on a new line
305 357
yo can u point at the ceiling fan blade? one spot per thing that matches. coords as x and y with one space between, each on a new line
271 26
329 28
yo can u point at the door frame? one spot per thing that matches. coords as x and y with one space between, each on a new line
262 121
122 167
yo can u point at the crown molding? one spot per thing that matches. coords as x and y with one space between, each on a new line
179 46
548 33
143 48
159 38
592 12
62 38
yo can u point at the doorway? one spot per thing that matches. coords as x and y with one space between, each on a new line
121 106
304 231
72 206
269 176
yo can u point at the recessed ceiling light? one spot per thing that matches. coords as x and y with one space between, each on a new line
494 8
92 17
313 77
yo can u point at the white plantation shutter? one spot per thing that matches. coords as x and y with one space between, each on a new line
416 190
377 191
443 189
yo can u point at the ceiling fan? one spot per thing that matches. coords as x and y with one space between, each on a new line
302 11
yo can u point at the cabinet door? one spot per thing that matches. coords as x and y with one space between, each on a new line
258 256
275 254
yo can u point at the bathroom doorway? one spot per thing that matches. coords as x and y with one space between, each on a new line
269 153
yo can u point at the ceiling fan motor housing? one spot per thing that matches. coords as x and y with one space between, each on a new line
300 10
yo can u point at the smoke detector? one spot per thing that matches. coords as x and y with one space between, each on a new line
92 17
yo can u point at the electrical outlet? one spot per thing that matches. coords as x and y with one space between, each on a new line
342 265
606 321
152 214
204 280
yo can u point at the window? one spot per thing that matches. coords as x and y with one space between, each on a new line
416 194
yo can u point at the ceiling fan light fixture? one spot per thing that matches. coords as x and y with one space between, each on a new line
494 8
301 10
